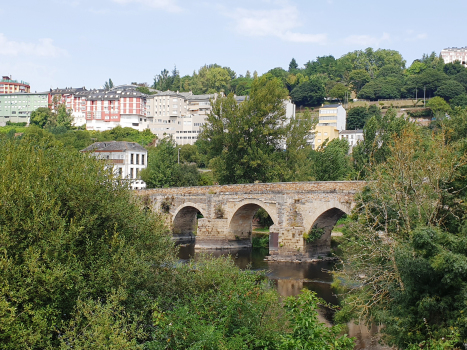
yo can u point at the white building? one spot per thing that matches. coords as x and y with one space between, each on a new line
182 114
352 137
452 54
127 159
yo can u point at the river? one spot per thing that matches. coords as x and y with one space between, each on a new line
290 279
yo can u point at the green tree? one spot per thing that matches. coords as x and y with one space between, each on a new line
356 118
108 85
403 256
450 89
358 78
244 140
438 105
41 116
378 136
70 235
309 93
330 162
338 91
162 160
293 65
459 101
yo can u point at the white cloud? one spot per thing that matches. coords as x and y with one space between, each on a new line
168 5
43 48
278 23
367 40
415 37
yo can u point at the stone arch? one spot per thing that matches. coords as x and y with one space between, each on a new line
326 219
240 223
185 219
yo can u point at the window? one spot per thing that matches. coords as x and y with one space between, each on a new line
131 158
137 172
131 173
137 159
120 172
142 159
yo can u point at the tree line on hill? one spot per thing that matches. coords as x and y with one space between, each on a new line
368 74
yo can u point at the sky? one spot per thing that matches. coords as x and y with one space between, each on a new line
76 43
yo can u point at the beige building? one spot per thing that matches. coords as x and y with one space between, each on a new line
332 119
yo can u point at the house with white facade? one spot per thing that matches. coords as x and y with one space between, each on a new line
352 137
127 158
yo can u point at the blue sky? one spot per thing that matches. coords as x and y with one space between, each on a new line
57 43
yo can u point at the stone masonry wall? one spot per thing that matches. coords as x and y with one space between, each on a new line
294 207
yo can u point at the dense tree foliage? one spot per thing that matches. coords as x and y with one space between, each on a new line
85 265
246 142
69 236
404 256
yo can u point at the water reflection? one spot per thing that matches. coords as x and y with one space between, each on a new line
290 279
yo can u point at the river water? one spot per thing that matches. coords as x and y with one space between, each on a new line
290 279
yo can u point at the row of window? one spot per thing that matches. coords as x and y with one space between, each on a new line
187 137
134 158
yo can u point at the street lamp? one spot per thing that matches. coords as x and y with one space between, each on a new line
179 155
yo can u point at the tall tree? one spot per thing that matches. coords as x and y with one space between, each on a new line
244 140
310 93
293 65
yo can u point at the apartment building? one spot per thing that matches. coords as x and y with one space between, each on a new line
332 120
179 114
74 99
10 86
125 107
17 107
452 54
128 159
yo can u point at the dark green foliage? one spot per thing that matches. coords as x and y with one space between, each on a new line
163 169
356 118
260 241
293 65
459 101
450 89
405 253
41 116
378 134
330 162
382 88
69 235
453 68
309 93
307 332
462 78
243 141
314 234
263 218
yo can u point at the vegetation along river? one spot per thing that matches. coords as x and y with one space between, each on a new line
290 278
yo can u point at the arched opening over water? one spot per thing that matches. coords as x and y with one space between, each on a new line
323 225
241 223
185 221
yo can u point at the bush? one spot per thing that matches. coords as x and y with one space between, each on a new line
70 237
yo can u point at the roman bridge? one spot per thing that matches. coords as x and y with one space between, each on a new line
227 212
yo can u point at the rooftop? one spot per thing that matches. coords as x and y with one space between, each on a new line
331 106
114 146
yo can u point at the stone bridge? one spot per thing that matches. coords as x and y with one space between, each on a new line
227 212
